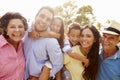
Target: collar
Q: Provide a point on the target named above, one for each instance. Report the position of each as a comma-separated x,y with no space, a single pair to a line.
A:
115,56
3,41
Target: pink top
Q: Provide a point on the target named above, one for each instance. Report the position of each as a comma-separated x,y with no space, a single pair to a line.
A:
12,62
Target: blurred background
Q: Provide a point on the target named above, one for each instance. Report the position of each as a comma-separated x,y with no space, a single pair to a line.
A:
96,12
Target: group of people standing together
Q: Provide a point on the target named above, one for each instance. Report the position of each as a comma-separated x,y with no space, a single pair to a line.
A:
44,52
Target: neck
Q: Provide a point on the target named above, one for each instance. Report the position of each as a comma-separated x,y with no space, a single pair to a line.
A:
15,44
84,51
108,53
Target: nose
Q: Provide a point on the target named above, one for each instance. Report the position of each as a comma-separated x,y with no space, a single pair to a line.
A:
75,39
17,29
44,20
84,38
104,39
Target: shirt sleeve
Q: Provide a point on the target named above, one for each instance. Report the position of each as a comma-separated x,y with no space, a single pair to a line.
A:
55,55
67,46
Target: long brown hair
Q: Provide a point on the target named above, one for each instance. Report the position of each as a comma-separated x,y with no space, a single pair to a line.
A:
91,71
61,32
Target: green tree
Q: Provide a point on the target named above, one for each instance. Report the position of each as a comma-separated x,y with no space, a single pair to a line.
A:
71,12
85,15
67,11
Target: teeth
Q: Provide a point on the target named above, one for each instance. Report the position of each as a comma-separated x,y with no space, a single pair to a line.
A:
106,44
16,35
84,42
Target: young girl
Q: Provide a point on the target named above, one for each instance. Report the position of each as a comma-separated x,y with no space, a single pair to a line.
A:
58,27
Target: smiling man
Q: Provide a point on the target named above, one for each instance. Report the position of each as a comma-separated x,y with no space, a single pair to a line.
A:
110,54
43,50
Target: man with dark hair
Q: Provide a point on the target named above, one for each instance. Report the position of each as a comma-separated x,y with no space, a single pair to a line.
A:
43,51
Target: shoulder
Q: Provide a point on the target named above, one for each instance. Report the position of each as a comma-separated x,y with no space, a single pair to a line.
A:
3,41
48,40
51,42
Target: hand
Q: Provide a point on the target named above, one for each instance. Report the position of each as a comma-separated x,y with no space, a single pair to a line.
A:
86,62
32,78
58,75
33,34
44,75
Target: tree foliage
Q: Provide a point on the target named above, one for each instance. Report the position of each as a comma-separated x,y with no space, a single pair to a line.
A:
67,11
71,12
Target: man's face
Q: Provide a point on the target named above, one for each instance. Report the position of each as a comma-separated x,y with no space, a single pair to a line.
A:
109,41
43,20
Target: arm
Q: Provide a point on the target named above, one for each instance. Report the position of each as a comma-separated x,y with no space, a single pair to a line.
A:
36,35
44,75
59,75
33,34
49,34
67,49
78,57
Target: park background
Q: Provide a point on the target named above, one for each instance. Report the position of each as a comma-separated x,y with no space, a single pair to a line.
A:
96,12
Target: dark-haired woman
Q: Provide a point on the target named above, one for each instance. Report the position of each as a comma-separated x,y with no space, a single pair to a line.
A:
12,61
89,47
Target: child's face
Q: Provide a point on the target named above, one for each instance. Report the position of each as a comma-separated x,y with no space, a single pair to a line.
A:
74,36
56,25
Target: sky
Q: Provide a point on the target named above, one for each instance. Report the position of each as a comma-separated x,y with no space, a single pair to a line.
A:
102,9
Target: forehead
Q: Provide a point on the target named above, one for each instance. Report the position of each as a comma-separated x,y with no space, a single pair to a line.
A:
15,21
57,20
75,31
46,12
87,31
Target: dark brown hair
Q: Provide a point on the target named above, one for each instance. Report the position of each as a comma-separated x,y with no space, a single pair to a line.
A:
61,39
91,71
76,26
5,19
